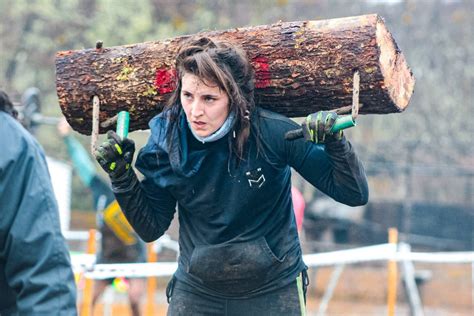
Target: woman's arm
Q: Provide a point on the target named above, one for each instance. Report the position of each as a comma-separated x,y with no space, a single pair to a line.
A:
148,208
333,168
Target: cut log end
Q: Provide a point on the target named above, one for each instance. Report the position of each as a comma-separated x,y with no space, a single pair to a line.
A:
398,77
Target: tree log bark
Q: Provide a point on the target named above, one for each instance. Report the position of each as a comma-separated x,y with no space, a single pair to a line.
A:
301,67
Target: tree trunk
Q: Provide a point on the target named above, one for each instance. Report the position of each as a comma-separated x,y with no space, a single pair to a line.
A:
301,67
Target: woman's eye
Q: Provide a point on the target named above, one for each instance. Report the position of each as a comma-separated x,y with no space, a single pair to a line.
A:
186,96
209,99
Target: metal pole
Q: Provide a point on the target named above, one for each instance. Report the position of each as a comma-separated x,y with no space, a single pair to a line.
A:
330,289
410,284
86,309
151,285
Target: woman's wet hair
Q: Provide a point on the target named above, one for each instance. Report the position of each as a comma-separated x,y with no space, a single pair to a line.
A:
228,67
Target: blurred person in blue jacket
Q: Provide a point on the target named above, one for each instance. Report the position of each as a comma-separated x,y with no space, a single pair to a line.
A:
35,269
119,243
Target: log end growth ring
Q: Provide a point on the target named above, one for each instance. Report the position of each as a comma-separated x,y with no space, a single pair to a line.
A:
398,77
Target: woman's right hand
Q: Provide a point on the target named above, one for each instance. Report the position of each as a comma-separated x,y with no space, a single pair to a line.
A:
115,155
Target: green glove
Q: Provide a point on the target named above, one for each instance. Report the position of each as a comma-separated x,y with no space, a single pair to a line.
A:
317,127
115,155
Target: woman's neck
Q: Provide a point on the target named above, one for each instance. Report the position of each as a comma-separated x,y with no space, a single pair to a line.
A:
221,132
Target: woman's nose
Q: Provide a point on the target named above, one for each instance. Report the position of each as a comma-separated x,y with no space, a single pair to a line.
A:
197,109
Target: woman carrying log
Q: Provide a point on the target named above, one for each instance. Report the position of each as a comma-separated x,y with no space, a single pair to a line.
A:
224,161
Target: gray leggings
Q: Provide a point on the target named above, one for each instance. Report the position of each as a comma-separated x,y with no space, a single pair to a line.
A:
289,300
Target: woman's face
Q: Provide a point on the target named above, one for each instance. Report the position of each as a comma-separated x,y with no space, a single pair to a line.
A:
205,104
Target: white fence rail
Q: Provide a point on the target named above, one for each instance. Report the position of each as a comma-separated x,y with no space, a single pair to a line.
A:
86,262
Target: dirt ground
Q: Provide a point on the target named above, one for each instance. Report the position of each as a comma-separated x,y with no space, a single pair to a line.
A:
361,290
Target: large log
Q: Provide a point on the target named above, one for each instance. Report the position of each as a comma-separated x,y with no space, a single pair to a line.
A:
301,67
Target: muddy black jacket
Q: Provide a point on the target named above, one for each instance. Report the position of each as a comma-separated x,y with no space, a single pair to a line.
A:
237,234
35,270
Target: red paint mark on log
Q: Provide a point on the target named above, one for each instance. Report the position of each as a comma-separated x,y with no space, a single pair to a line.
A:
165,80
262,72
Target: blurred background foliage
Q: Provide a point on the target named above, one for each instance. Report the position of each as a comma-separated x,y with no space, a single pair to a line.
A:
423,154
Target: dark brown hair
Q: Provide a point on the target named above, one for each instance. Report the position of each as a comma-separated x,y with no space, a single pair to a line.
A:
6,105
227,66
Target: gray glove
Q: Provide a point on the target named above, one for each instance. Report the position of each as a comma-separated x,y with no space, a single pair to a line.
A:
317,127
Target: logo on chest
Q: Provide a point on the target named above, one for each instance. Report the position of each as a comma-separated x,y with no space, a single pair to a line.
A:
256,178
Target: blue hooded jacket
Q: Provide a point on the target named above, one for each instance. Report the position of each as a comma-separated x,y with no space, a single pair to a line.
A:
35,270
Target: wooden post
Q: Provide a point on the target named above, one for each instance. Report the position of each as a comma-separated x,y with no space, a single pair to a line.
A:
86,308
151,284
392,275
95,123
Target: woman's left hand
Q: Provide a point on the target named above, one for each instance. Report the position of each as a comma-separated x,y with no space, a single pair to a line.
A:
317,127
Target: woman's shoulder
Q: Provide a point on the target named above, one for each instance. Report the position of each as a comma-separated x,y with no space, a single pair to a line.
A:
159,126
160,120
156,149
267,119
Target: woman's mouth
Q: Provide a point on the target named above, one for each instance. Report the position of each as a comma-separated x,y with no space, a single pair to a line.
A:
199,124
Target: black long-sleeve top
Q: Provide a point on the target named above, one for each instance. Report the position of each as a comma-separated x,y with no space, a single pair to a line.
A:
238,235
